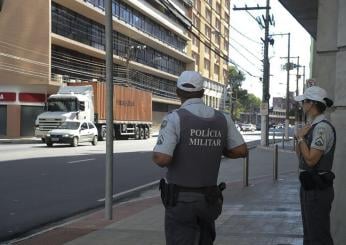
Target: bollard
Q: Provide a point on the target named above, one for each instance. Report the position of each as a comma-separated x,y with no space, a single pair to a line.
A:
246,171
283,141
275,163
274,136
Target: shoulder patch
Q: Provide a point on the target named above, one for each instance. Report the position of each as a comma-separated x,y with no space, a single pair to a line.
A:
163,124
319,141
160,140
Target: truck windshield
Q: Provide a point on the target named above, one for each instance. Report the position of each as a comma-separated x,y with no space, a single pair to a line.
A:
62,104
69,125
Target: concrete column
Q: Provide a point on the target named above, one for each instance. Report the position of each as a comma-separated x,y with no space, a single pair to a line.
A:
13,121
338,118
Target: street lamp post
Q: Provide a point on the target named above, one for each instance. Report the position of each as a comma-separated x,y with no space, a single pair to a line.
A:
288,78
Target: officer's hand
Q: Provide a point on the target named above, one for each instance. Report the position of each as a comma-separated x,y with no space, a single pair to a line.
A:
303,131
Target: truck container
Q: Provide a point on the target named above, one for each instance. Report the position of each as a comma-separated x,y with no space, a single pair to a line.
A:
132,109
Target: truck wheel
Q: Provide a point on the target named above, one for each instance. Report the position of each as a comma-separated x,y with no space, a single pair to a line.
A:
141,133
103,134
94,141
146,133
49,144
75,142
137,135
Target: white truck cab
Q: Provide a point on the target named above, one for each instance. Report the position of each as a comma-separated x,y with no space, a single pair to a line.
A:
72,103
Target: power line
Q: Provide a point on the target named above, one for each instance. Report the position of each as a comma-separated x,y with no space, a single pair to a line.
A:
250,39
238,43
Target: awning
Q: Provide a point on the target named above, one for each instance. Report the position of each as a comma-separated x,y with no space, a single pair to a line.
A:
305,12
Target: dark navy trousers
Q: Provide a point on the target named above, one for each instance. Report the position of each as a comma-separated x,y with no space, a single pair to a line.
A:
315,207
191,221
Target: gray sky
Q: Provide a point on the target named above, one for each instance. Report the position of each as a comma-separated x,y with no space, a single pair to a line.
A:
284,23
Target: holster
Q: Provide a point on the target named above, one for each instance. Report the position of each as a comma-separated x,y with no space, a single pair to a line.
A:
169,193
313,180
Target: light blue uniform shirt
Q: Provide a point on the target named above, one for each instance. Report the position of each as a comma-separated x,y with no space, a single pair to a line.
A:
323,136
170,127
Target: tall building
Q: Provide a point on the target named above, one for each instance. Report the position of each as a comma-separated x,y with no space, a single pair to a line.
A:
46,43
211,19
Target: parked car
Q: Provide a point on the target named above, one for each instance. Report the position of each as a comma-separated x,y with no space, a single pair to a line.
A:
248,127
237,127
73,132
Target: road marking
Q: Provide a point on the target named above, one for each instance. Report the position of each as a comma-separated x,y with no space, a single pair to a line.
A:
83,160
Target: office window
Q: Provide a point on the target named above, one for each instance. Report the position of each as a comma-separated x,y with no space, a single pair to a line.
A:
217,40
207,31
196,21
208,15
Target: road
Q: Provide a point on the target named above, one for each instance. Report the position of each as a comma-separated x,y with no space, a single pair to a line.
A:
40,185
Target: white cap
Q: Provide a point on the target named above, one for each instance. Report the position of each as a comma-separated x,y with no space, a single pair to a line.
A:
313,93
190,81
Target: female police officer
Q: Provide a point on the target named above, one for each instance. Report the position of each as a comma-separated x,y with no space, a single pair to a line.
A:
315,149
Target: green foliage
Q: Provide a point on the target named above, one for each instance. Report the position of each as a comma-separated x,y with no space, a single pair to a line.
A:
242,100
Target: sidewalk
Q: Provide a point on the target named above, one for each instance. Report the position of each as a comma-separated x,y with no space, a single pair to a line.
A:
266,213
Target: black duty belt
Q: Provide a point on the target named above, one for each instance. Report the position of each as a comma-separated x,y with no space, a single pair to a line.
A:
203,189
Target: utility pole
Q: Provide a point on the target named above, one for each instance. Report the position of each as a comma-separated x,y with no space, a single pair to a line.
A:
109,111
266,68
288,67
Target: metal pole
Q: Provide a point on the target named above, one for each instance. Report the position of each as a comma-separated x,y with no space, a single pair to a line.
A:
283,141
273,135
109,111
275,163
246,171
265,94
288,85
296,103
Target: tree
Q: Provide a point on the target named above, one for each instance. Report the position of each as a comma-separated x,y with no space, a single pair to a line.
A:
242,101
235,77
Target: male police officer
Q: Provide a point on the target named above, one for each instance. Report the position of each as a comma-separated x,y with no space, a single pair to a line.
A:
190,144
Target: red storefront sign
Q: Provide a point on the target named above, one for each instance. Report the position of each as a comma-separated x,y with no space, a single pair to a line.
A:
32,97
7,96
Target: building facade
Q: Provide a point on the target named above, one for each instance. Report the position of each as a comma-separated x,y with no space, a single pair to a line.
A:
210,48
53,42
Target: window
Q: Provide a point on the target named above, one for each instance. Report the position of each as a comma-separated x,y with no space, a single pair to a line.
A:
84,126
217,40
210,2
195,21
226,32
218,8
207,31
218,24
208,15
195,41
216,69
206,64
227,17
90,125
197,5
207,51
225,46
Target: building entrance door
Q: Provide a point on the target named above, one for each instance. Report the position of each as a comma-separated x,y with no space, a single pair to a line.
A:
28,116
3,120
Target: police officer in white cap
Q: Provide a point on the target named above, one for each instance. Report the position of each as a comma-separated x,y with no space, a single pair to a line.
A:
190,144
316,145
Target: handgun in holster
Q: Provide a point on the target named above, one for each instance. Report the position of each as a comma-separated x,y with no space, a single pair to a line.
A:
169,193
